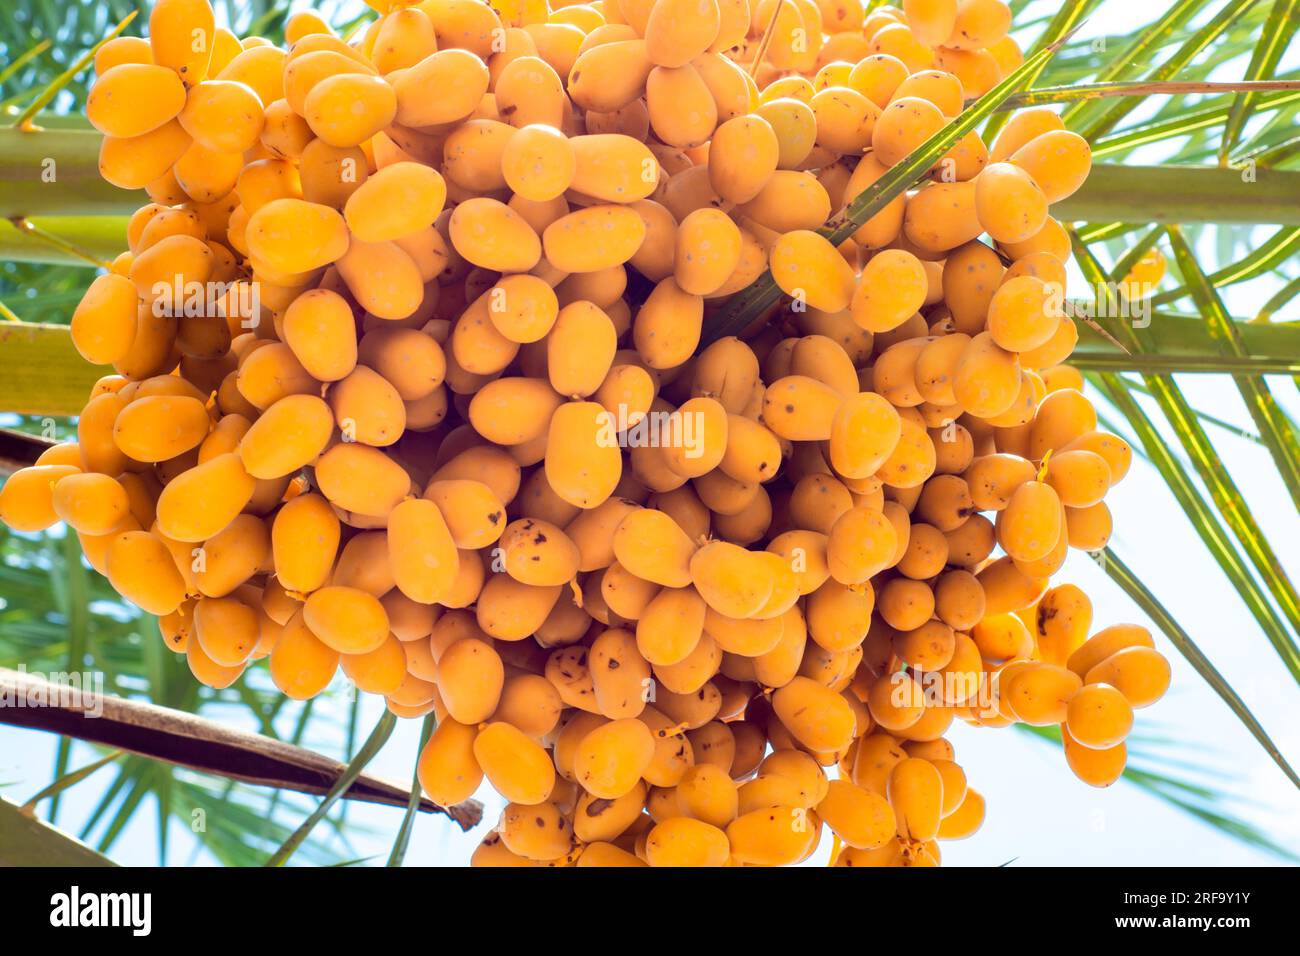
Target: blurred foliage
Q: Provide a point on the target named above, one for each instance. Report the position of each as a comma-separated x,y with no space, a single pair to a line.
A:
59,616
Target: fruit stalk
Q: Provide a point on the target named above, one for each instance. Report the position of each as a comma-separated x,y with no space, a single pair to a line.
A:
56,172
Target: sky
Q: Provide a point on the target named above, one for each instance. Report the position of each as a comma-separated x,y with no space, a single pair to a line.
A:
1038,813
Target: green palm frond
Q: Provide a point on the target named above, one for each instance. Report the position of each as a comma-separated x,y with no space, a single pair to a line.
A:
1142,596
1228,501
66,780
1283,19
1275,429
378,737
403,839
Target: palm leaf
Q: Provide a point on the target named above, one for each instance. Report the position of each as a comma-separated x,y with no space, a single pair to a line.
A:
28,841
1093,232
1063,23
1141,46
378,737
1202,517
1153,769
1278,154
1274,428
1184,123
235,828
403,839
1101,91
1197,42
1278,299
64,781
1223,490
1132,584
1264,258
1234,430
1281,26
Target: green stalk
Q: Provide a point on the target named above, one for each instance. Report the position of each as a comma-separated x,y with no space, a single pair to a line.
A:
403,839
1185,122
75,240
1183,194
1184,338
374,743
1122,575
1166,364
1274,427
47,172
1099,91
44,373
